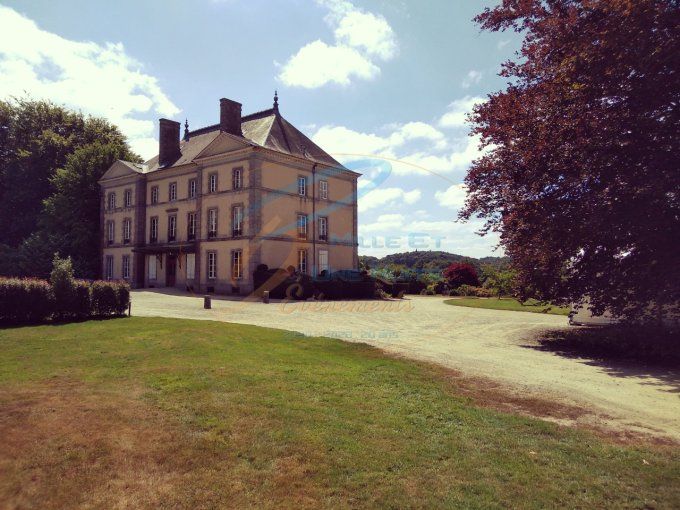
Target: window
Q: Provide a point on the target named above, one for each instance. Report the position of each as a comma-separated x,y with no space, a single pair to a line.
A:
172,227
302,261
302,186
126,267
302,226
212,222
323,261
172,192
237,178
191,266
109,267
191,226
152,267
212,265
212,183
323,228
237,220
153,230
192,188
127,230
110,232
154,195
112,201
323,190
127,197
237,264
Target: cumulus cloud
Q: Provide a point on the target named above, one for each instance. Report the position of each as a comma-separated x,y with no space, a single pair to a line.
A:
471,78
453,197
102,80
360,39
456,116
385,197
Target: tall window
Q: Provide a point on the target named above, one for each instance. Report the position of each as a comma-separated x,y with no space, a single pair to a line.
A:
126,267
172,227
237,178
110,232
302,261
212,265
302,186
191,226
154,195
127,230
191,266
212,222
172,191
192,188
237,220
112,201
323,261
302,226
323,190
108,270
323,228
153,230
127,197
212,183
152,267
237,264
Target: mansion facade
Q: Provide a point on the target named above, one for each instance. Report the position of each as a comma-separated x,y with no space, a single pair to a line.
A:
224,199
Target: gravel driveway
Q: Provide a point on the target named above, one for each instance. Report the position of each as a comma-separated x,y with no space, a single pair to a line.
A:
481,343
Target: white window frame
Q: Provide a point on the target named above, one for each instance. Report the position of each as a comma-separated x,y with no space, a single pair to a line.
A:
323,228
172,227
154,194
191,225
302,261
302,185
126,267
112,201
127,198
111,231
237,178
212,222
191,266
237,264
237,220
323,190
153,229
109,267
302,226
212,183
153,267
212,265
127,230
323,266
192,188
172,192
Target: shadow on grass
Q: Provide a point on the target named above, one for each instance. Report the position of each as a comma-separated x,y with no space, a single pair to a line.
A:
644,352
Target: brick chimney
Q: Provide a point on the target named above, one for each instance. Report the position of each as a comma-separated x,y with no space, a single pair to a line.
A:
230,117
168,142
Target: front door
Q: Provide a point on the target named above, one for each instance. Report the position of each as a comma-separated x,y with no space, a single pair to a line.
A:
170,270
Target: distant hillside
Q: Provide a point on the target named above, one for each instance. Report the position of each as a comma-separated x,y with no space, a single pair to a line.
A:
431,261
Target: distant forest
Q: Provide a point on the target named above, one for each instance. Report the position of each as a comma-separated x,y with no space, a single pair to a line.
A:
429,261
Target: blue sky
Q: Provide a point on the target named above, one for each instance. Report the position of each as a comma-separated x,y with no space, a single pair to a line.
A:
382,85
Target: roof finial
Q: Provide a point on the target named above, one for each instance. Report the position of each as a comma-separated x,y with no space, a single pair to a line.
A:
276,101
186,129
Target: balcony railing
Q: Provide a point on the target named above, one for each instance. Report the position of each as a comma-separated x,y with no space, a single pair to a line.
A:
212,234
323,237
171,237
191,236
153,240
237,232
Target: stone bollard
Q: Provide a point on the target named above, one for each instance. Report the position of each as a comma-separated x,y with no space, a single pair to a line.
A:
207,302
265,296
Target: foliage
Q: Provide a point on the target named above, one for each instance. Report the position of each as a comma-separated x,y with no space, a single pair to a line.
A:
426,261
63,286
37,138
580,176
510,304
460,273
26,300
471,290
500,281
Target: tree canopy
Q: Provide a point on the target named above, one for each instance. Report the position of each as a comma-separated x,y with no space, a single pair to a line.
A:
580,175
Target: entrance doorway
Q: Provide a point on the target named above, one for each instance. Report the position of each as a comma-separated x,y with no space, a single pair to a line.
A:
170,270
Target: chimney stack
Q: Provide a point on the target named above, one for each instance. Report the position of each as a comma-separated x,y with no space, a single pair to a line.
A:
230,117
168,142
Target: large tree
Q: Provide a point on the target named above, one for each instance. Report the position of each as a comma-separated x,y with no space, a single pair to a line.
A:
582,170
50,161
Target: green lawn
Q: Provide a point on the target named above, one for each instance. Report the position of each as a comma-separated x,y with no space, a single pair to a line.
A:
508,304
163,413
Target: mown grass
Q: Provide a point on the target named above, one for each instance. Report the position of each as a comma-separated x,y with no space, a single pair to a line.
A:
510,304
164,413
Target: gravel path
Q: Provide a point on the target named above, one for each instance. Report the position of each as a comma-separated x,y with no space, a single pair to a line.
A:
482,343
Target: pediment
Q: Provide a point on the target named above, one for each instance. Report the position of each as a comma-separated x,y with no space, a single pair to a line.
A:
118,169
223,144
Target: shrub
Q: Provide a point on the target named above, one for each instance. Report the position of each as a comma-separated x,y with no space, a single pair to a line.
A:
82,303
63,287
104,298
469,290
460,273
25,300
122,297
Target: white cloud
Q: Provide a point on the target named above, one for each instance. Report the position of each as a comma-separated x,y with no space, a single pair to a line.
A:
102,80
458,110
385,222
472,78
453,197
503,43
360,38
386,197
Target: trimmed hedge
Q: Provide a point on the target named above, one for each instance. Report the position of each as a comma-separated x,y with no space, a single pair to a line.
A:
31,300
470,290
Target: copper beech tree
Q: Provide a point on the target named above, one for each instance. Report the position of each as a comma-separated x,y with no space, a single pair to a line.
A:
581,170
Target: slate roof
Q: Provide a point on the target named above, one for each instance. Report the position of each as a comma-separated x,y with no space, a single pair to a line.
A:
264,129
